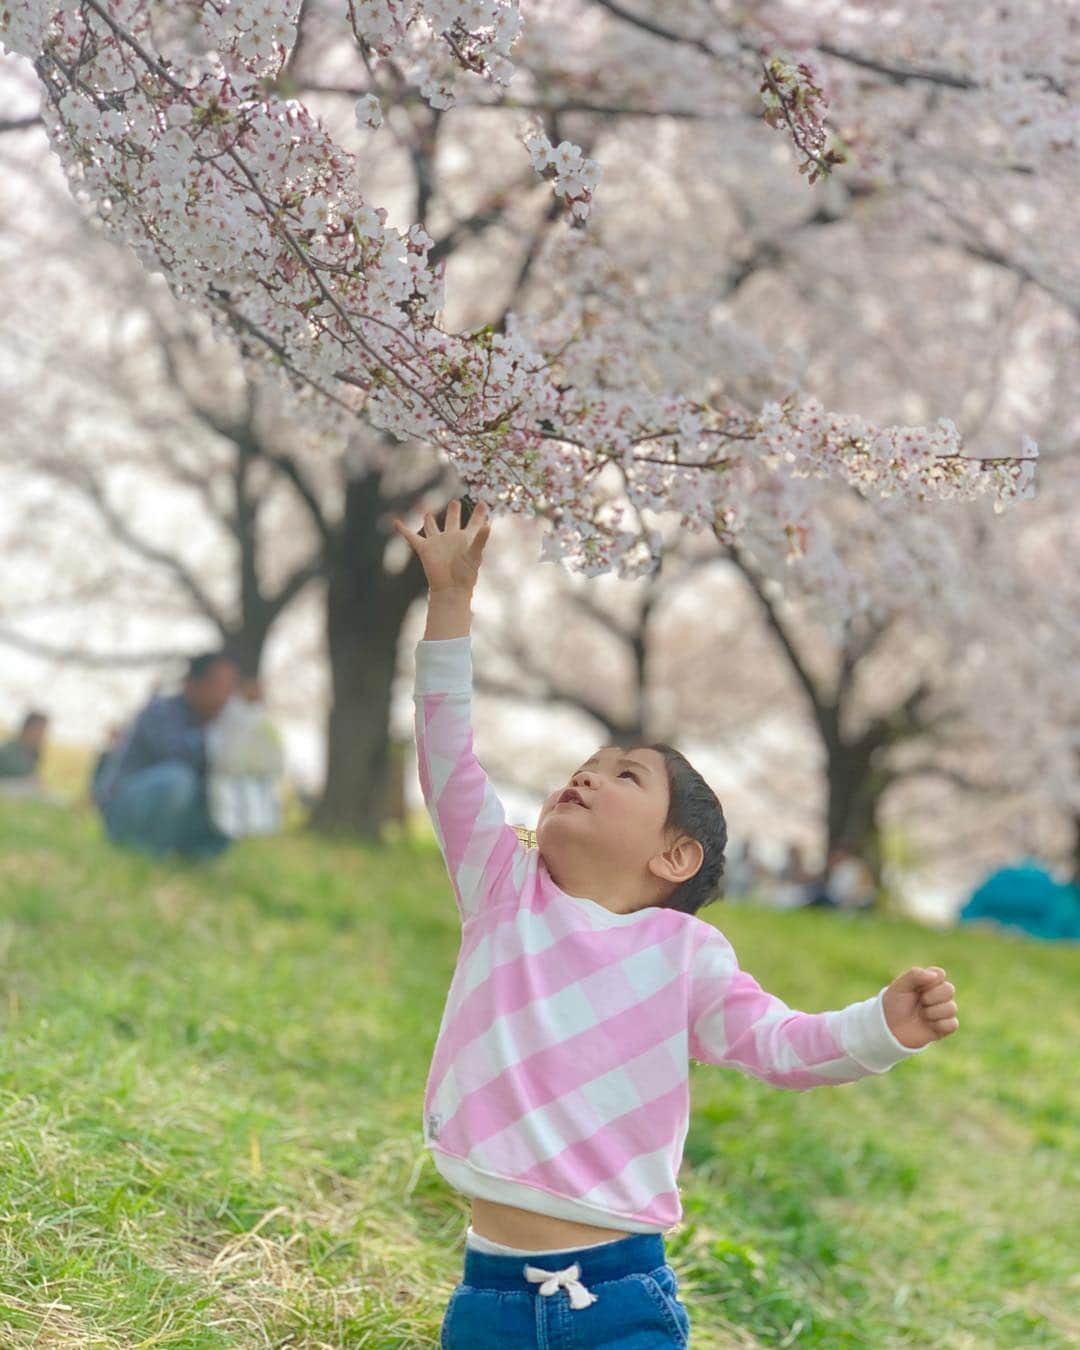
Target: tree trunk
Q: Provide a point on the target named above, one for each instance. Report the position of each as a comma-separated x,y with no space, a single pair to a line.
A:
246,643
363,660
365,608
855,789
1076,852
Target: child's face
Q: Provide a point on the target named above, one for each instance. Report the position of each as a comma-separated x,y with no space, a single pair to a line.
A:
618,821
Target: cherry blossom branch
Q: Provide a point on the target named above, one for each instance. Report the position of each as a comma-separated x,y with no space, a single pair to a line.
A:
655,29
791,95
900,74
254,213
511,103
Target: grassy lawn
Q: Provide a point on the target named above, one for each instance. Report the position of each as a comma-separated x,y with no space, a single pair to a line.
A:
210,1093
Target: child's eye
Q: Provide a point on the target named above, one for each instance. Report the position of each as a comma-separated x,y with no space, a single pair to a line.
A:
632,774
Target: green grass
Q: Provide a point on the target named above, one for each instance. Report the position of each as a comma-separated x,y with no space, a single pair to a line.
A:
210,1092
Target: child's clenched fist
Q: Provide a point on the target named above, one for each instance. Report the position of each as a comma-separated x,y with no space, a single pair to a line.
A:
920,1007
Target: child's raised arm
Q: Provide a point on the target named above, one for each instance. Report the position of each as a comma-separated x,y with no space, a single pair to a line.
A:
478,845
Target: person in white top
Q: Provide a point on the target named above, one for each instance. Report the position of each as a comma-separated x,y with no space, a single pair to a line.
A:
245,763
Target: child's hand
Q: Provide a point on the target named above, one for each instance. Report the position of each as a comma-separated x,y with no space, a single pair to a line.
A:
451,556
919,1007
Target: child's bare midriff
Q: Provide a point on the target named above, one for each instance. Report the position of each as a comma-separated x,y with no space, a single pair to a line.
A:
522,1228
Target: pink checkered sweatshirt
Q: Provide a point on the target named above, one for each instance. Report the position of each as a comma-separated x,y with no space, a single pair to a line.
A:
559,1081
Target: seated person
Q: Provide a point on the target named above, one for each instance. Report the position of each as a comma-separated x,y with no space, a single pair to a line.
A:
245,765
152,795
847,884
20,757
794,884
105,757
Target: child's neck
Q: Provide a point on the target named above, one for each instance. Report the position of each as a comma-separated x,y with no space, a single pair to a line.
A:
619,894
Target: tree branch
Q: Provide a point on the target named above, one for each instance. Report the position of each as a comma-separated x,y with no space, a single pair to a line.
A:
228,430
824,715
510,104
532,252
901,74
295,583
422,152
954,776
486,684
159,556
986,253
470,227
553,689
898,74
584,602
855,650
899,724
82,657
292,472
407,498
654,29
20,123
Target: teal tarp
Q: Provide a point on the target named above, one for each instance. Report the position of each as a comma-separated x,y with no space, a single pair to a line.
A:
1027,897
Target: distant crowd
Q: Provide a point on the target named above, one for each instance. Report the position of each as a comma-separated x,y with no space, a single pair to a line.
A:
1024,896
189,774
845,882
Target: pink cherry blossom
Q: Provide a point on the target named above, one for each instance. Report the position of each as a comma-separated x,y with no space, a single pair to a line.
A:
170,124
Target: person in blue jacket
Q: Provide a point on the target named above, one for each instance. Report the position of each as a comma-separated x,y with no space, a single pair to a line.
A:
152,795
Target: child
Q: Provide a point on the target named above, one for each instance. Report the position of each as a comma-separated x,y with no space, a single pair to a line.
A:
557,1098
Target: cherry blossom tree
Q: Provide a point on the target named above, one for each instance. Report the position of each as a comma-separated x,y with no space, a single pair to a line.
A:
677,656
180,131
180,489
945,716
1027,661
267,505
632,363
124,409
929,685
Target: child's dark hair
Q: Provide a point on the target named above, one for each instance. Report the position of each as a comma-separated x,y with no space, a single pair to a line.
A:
695,810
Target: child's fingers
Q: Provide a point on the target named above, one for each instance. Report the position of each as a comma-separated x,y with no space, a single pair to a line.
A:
940,993
413,539
453,515
431,525
479,518
476,548
917,979
940,1012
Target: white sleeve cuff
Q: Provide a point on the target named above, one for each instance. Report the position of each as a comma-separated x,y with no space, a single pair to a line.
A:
444,666
868,1039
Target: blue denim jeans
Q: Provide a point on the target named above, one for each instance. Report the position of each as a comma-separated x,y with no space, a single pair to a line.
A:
495,1307
163,810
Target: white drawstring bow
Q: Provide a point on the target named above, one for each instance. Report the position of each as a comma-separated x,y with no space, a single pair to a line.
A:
569,1279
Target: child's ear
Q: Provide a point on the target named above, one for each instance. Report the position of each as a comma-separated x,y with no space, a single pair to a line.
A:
678,863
